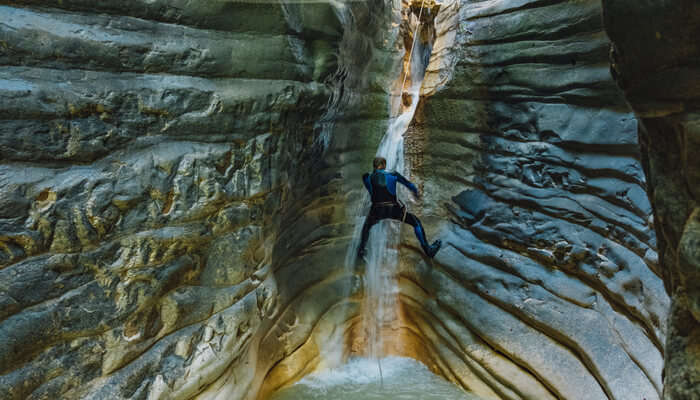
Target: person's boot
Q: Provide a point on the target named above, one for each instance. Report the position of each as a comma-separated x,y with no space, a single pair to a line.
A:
430,250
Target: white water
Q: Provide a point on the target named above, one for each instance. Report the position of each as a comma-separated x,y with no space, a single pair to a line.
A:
381,289
374,377
403,378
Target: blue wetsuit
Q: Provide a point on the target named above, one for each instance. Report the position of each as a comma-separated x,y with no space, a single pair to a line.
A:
381,186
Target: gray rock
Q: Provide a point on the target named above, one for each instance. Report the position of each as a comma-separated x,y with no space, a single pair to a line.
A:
656,66
179,181
530,171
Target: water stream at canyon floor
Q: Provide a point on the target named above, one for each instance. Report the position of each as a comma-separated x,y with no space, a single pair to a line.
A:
359,379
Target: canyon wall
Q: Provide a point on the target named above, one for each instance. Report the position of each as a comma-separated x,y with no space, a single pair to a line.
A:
180,184
655,61
170,199
548,283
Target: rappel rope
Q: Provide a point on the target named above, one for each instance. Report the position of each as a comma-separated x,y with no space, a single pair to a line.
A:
405,209
405,75
381,376
413,45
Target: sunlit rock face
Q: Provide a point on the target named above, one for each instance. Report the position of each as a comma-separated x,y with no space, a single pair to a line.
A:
167,184
548,284
656,64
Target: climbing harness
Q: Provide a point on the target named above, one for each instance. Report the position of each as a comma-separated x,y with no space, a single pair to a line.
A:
391,204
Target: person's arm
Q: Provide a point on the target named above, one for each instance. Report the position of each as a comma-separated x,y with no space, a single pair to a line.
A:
368,184
406,183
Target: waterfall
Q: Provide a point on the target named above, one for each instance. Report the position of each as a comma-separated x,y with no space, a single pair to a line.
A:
380,280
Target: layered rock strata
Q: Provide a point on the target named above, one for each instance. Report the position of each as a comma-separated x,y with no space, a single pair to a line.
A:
548,285
179,184
655,61
170,198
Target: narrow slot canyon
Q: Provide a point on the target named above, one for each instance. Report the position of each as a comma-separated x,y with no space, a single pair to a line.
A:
182,200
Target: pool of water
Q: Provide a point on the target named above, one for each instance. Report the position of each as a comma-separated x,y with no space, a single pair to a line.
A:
359,379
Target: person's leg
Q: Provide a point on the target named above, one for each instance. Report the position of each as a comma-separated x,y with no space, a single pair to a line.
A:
411,219
369,222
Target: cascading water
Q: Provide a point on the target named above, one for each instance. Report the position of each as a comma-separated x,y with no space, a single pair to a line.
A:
379,309
400,378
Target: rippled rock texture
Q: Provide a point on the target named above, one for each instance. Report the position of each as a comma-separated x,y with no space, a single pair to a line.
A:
179,182
548,284
655,60
169,194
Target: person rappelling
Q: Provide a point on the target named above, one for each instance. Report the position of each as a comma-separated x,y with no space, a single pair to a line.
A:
381,186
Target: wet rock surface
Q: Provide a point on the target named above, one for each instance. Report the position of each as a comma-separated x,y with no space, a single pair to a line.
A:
179,182
657,67
167,184
548,283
